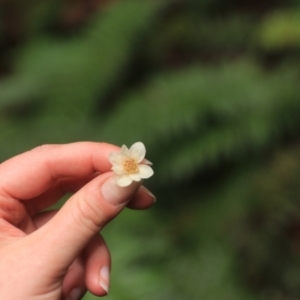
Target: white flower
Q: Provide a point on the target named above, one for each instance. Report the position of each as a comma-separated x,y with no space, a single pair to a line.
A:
130,164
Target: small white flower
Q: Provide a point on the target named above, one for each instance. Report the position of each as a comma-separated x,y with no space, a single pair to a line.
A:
130,164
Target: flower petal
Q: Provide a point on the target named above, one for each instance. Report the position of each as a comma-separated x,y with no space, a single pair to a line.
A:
118,169
135,177
146,162
145,171
115,158
137,151
124,151
123,180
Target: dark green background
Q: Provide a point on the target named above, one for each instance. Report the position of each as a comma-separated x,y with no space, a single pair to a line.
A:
212,89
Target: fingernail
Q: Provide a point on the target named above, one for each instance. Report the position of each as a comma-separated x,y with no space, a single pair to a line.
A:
104,279
145,190
115,194
75,294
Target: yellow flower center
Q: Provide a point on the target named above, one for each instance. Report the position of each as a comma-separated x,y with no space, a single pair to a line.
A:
130,166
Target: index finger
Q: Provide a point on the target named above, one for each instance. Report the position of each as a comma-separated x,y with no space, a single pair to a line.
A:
31,173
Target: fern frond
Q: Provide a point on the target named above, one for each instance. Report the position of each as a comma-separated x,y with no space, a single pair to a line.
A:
222,112
75,72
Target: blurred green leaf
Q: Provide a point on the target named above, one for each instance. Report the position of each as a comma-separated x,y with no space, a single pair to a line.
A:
281,31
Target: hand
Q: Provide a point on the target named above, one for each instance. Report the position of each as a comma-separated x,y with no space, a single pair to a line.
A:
58,255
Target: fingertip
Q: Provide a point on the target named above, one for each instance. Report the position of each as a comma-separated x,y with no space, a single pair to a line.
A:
97,268
115,194
104,278
143,199
74,281
151,197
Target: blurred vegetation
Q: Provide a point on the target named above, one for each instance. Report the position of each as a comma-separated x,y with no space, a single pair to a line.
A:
212,89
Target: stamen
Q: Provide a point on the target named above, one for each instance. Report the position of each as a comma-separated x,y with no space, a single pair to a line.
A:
130,166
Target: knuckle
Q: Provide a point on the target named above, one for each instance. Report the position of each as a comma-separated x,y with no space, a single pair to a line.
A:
89,215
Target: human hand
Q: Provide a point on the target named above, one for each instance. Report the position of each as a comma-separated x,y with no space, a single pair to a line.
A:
59,255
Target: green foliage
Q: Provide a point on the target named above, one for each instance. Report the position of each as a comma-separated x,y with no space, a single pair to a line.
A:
66,77
281,31
267,237
208,113
198,83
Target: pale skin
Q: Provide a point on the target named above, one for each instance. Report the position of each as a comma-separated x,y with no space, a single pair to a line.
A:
59,255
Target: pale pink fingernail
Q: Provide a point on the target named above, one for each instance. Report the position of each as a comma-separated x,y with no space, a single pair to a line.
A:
149,193
115,194
104,278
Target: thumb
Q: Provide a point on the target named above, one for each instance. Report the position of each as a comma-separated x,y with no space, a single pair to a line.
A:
83,215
